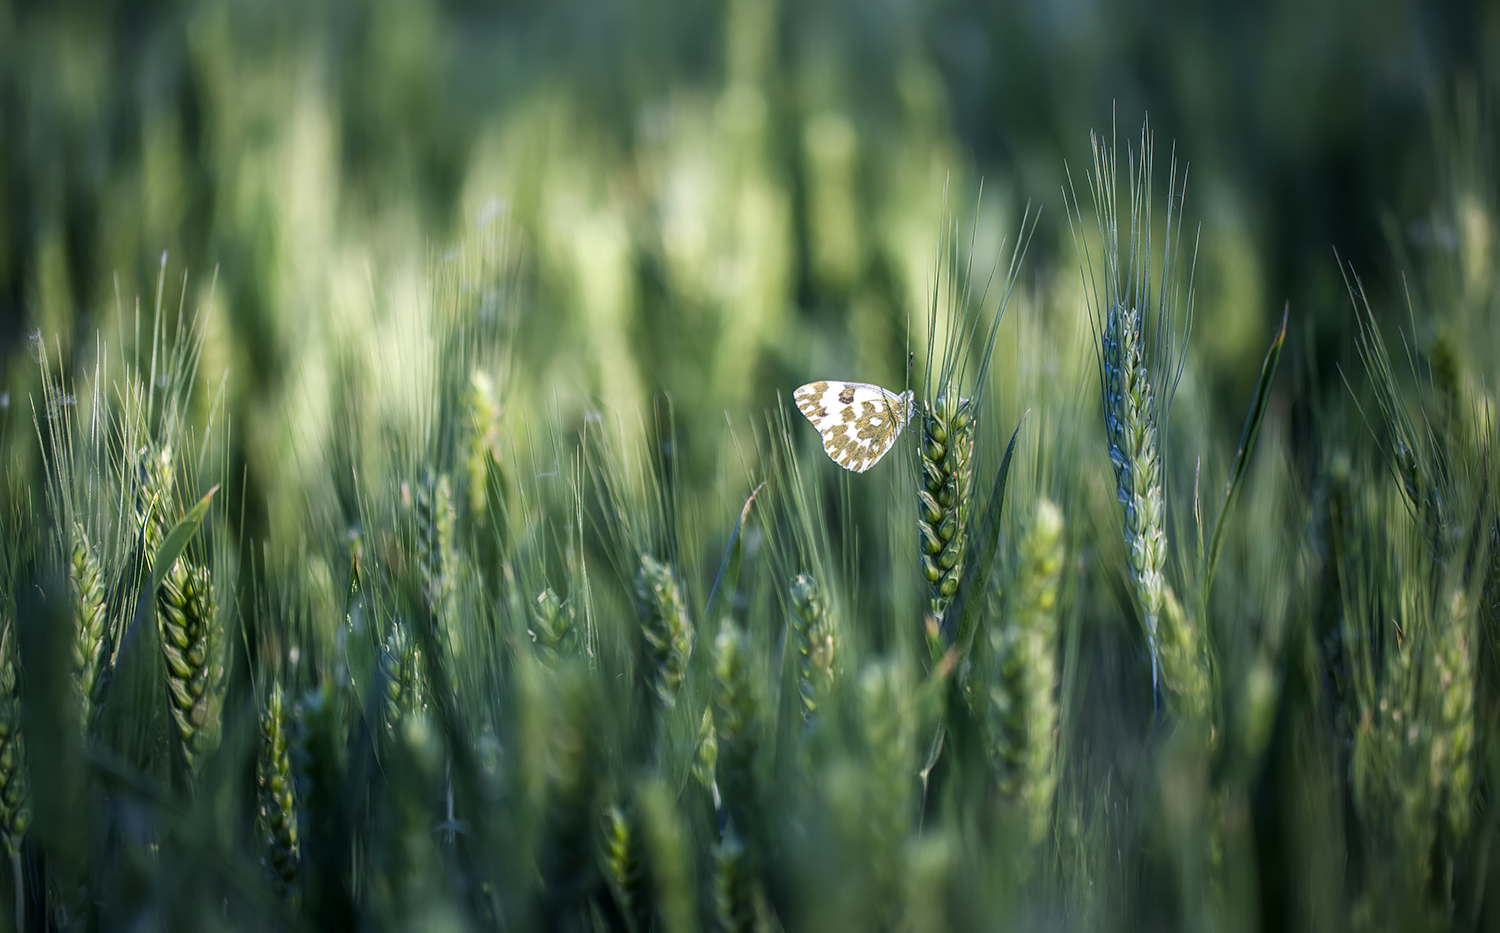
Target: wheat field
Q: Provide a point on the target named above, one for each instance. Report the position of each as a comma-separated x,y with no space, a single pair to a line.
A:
407,521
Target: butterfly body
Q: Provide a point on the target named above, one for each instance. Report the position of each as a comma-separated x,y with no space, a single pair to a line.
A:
859,422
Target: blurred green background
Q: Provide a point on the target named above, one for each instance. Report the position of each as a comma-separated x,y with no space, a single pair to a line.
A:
699,206
765,177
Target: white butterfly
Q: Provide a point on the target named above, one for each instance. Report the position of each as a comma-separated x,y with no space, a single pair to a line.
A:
859,422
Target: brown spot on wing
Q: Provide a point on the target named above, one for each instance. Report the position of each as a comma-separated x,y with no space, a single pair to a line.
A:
846,397
809,400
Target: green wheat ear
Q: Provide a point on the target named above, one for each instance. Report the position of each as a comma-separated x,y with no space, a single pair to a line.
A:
436,523
740,903
670,857
624,856
553,627
1020,713
706,752
738,725
1453,705
193,649
666,633
1130,426
15,794
86,584
888,724
401,661
943,506
276,796
816,647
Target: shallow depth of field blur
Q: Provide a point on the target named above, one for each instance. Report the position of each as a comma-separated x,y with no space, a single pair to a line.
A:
523,597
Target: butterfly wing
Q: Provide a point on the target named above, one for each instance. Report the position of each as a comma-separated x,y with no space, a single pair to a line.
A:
859,422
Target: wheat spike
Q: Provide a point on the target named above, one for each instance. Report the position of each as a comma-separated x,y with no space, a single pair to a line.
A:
86,583
667,635
1130,424
436,523
276,795
625,863
192,647
737,724
816,647
1022,713
15,793
1452,681
740,904
553,626
943,505
404,693
889,731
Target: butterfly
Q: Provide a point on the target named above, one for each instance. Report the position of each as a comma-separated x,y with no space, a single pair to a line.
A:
859,422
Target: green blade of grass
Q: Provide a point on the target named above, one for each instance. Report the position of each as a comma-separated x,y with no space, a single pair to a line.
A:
1253,420
970,596
729,568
